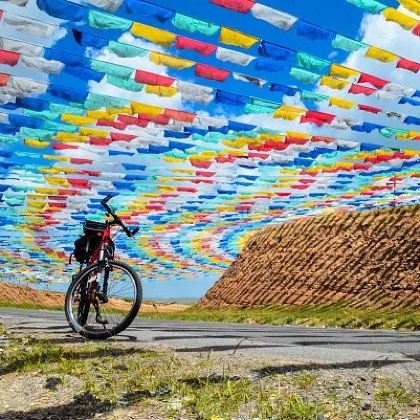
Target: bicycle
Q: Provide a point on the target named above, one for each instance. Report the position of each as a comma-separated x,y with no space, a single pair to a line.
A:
94,305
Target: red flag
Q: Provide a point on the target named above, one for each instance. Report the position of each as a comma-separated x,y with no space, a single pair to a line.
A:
408,65
318,118
212,73
356,89
99,141
79,161
122,137
369,109
242,6
153,79
374,81
191,44
179,115
4,78
10,58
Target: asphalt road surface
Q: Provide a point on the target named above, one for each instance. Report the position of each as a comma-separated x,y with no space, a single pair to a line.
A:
326,346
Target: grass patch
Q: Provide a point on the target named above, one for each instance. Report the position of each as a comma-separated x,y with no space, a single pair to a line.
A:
393,395
324,315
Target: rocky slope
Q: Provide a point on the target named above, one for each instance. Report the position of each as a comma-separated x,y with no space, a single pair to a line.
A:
364,258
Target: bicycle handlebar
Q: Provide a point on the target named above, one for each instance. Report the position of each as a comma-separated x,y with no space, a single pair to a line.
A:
117,220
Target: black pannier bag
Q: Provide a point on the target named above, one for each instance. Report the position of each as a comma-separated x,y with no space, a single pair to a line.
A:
85,246
93,228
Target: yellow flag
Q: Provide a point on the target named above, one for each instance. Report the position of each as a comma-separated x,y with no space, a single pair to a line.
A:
37,144
36,204
56,157
199,157
88,131
121,110
231,143
343,72
138,108
408,135
66,169
166,188
403,20
48,170
297,135
380,55
344,165
412,5
238,143
161,90
287,112
100,115
239,39
183,171
52,180
158,36
170,61
45,190
70,137
333,83
278,138
172,159
77,119
341,103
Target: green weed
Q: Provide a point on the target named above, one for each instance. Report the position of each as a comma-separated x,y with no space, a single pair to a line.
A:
326,315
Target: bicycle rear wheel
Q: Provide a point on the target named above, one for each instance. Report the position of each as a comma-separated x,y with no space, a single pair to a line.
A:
100,303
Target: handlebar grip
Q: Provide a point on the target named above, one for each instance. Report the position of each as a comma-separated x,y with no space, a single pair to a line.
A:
107,198
105,205
134,231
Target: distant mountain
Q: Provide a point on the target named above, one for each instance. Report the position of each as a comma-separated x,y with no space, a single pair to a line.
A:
366,258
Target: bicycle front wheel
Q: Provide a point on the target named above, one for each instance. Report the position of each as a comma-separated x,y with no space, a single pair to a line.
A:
102,302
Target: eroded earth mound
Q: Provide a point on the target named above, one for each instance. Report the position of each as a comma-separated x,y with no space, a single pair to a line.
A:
366,258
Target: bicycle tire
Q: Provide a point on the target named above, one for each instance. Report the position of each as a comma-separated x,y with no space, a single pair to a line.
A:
83,312
102,335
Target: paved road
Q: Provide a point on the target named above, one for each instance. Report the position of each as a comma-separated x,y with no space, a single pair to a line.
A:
334,347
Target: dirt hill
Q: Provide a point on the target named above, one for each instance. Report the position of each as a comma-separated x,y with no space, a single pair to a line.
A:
24,296
366,258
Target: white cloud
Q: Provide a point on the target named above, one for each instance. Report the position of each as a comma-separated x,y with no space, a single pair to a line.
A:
332,54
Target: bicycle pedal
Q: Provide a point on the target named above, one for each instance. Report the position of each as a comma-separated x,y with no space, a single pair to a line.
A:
100,320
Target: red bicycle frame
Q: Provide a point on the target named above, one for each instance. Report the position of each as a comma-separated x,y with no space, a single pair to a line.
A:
105,241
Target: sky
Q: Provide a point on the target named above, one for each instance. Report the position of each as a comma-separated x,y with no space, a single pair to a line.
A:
336,15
